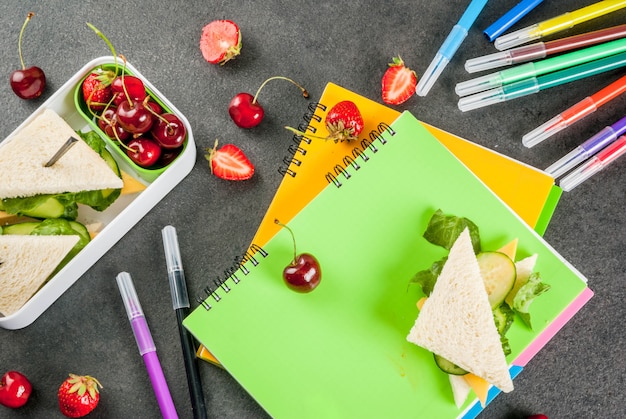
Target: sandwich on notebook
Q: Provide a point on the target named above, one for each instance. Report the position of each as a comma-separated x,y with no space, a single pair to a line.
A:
25,175
443,328
342,350
26,262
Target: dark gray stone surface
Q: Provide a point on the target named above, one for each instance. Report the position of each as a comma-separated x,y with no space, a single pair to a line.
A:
580,373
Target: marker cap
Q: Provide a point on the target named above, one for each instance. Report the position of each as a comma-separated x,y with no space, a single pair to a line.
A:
518,37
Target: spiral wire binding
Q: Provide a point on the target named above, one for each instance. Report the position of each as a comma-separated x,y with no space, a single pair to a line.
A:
351,161
299,140
238,267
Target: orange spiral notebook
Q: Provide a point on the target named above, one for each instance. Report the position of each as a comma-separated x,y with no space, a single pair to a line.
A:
313,163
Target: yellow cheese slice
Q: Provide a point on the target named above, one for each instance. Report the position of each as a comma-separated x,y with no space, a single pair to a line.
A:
479,385
509,249
131,185
420,302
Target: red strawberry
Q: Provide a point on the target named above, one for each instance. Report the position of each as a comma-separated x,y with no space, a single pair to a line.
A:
78,395
220,41
344,121
399,83
229,162
97,90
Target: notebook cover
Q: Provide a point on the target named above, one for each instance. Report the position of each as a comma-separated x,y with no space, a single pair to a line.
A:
529,191
341,350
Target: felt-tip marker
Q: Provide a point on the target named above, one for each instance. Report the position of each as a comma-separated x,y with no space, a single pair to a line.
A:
594,165
575,113
593,145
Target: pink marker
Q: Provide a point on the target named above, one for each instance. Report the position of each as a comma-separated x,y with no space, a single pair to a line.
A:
594,164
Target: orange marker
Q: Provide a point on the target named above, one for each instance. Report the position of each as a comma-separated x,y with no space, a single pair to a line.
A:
575,113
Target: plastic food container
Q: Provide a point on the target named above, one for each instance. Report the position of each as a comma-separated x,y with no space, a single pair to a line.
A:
123,214
108,63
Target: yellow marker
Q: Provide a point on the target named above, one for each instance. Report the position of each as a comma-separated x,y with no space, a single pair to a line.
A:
557,24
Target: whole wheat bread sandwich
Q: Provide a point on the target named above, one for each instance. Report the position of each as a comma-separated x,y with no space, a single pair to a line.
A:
456,321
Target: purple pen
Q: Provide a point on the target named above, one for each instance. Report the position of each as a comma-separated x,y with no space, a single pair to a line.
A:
587,149
147,349
594,164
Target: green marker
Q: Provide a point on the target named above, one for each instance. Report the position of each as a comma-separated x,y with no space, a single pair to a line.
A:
538,68
536,84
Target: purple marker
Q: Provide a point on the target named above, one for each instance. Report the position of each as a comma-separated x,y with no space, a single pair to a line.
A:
587,149
147,349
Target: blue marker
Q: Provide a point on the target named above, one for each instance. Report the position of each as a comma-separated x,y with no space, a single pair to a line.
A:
510,18
449,47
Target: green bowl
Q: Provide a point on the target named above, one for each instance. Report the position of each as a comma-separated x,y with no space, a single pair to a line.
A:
147,173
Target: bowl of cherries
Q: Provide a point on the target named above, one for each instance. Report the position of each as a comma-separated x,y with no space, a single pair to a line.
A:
141,125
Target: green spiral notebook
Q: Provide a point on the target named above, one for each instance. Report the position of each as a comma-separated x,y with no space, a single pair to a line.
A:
341,351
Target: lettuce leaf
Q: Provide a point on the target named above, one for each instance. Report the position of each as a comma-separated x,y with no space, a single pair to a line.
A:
443,230
428,277
527,294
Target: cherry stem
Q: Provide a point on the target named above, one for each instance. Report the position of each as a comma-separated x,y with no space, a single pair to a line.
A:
130,102
19,41
302,89
293,238
104,38
162,118
304,134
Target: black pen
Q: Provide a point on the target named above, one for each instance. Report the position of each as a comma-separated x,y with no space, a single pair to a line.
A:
180,299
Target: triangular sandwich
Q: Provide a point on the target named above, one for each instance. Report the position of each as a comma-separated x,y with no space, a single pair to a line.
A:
26,262
456,322
24,155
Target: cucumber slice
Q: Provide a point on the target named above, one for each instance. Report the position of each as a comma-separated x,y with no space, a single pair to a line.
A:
23,229
498,272
108,157
81,230
53,208
448,367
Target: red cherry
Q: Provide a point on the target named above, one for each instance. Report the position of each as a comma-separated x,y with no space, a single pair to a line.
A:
15,389
168,156
247,112
537,416
108,123
143,151
27,83
133,85
155,107
134,117
303,274
169,131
